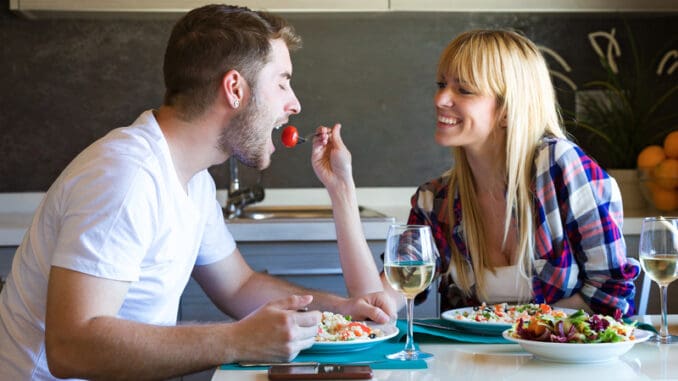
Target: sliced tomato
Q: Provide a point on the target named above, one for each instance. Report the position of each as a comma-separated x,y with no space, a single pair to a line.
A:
361,326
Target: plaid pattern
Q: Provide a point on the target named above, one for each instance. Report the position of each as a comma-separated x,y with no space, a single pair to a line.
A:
579,246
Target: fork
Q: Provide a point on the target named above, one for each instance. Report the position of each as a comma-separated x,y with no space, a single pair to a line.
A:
247,364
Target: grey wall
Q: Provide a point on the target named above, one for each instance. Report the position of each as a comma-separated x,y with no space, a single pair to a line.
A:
66,82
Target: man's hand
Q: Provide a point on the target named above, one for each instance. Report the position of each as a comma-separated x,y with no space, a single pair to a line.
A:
277,331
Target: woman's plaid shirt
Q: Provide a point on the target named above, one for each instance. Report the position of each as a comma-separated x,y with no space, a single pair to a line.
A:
579,246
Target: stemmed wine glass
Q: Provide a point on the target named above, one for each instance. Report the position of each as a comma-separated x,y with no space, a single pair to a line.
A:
658,255
409,265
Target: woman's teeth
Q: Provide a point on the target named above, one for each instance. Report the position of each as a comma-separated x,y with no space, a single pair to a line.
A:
446,120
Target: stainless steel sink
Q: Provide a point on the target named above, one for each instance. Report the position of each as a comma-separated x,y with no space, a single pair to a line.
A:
294,212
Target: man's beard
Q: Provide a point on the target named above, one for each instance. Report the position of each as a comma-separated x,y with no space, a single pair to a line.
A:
245,136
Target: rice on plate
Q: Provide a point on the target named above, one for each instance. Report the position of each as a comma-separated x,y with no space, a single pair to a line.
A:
337,327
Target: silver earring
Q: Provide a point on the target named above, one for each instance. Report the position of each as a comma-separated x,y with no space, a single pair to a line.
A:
236,103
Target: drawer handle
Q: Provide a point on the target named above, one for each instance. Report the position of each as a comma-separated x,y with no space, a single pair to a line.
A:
320,271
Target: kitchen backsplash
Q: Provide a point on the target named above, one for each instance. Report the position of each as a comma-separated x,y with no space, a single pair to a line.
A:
64,82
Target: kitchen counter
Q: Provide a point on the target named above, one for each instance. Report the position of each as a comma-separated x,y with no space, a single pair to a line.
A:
16,211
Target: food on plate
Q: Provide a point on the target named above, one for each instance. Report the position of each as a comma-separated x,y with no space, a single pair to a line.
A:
578,327
504,312
337,327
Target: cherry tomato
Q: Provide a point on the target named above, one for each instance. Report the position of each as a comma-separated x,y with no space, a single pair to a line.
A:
290,136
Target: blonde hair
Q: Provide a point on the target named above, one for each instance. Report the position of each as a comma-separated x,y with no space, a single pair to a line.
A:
509,67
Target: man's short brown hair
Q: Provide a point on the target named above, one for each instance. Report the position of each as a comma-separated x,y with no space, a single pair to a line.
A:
209,41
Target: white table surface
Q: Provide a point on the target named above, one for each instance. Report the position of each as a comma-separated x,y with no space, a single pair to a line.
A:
488,362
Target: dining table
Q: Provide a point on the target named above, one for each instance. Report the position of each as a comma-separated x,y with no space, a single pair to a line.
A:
478,360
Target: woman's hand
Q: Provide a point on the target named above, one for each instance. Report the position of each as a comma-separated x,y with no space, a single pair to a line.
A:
330,158
375,306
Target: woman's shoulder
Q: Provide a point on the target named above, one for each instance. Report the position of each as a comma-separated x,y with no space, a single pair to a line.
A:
560,152
557,146
435,185
563,160
430,194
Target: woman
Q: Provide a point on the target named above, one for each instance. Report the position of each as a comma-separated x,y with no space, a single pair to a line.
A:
523,215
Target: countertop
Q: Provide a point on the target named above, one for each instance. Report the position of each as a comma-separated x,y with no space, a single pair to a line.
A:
16,211
453,360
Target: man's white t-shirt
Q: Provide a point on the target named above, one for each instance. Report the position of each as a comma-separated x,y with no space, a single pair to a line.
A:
118,211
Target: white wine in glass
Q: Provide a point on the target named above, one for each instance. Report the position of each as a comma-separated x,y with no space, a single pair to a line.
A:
658,253
409,266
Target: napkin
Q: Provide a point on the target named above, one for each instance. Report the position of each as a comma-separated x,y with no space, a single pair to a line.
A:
440,335
373,356
641,325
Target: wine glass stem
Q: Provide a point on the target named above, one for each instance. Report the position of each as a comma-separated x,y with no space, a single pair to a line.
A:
664,329
409,344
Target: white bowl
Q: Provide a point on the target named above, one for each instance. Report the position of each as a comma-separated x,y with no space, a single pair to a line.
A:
578,352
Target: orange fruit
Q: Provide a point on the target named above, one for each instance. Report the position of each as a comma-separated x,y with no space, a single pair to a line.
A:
671,145
664,200
650,156
666,173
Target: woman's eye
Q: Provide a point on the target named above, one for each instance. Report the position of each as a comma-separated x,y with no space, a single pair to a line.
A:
464,91
441,85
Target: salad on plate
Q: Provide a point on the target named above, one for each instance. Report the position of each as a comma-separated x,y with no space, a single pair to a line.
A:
577,337
578,327
337,328
502,312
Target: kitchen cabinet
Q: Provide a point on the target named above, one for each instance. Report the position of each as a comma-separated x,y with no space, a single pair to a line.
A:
30,7
312,264
6,256
532,5
33,8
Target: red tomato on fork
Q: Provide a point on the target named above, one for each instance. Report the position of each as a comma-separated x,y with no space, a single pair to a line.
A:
290,136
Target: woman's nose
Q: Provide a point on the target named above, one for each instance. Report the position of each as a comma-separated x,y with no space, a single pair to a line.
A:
443,98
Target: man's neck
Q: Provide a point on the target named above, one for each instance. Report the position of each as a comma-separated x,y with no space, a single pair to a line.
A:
191,145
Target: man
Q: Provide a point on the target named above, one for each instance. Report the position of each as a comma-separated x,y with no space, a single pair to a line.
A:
95,284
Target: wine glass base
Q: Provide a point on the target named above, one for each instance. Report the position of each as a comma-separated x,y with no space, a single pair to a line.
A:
670,339
410,355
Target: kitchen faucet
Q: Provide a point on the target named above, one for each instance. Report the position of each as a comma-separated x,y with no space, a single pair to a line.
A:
239,198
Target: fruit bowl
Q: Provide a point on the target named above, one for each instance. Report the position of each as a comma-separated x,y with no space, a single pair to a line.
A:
659,190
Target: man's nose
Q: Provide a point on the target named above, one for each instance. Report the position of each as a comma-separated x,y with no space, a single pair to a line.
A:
294,107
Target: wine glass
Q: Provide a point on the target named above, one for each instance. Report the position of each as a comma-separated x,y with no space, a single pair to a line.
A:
409,265
658,253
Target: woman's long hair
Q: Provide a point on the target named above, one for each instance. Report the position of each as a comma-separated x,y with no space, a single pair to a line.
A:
508,66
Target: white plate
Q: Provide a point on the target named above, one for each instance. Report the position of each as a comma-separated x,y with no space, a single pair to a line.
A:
482,327
576,352
355,345
486,328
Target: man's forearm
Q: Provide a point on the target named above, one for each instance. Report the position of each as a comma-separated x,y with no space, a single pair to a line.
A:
111,348
262,288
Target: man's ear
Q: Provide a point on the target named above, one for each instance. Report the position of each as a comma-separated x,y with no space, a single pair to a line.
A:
233,85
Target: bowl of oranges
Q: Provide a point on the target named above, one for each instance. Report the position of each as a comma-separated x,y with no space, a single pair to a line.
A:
658,173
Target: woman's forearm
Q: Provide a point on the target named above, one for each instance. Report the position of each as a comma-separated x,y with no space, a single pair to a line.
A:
358,265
